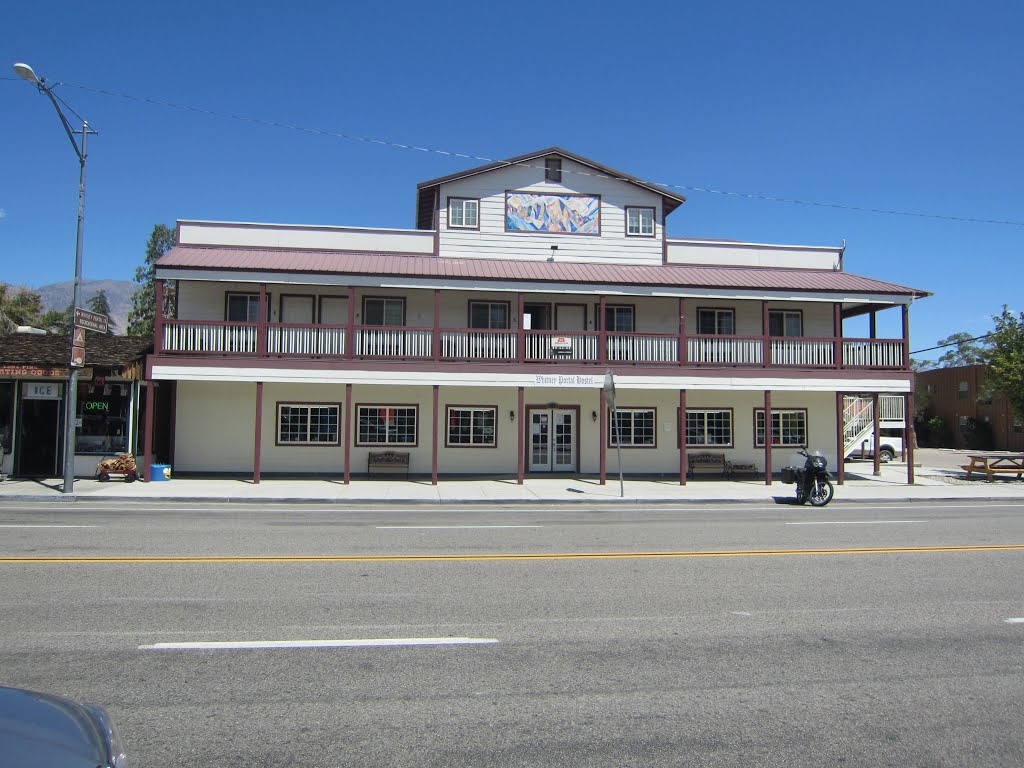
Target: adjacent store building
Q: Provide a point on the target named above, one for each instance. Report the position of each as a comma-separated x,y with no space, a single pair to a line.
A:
33,387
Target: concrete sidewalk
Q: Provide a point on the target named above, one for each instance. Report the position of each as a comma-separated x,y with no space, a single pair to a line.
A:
932,483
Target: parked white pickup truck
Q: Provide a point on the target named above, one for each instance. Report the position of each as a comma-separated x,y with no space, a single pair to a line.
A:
892,446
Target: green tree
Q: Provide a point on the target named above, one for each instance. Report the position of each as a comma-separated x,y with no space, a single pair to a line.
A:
18,306
965,350
99,304
142,315
1006,359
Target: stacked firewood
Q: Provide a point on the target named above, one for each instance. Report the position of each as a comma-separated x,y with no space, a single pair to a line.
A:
123,462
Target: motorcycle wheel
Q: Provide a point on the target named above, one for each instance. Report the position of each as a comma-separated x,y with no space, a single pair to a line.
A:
821,493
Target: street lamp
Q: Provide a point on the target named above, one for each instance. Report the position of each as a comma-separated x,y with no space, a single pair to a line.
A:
71,397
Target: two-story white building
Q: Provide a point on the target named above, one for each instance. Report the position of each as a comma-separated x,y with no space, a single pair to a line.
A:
479,342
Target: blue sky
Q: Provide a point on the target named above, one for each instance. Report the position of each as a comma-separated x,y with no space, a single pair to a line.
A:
911,106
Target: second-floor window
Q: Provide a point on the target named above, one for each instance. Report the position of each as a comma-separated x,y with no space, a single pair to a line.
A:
962,391
619,318
463,213
488,314
383,311
785,322
716,322
242,308
640,222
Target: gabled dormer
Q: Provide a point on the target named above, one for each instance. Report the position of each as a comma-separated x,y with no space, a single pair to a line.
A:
550,205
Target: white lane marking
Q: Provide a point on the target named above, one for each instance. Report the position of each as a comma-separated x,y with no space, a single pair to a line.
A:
857,522
446,527
366,643
4,525
740,613
1014,621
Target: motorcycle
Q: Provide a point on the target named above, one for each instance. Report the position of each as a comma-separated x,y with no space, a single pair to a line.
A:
813,482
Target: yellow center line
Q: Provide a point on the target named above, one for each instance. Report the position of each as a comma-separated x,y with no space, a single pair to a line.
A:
510,556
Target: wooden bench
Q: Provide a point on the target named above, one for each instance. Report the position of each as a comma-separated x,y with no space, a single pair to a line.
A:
388,460
707,462
743,469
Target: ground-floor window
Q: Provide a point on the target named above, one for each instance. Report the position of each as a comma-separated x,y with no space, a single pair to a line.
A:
636,427
6,415
386,425
307,424
789,427
709,427
103,411
471,426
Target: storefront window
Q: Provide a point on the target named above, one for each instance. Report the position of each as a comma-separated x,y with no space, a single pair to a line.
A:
103,409
6,415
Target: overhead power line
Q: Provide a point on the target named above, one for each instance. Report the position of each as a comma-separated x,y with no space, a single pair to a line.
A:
953,343
484,159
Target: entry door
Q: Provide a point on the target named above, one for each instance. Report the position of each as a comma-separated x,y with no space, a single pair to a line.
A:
38,443
552,440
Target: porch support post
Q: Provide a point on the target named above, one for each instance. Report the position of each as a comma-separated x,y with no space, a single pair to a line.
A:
681,427
876,434
837,335
521,333
521,469
906,337
909,438
682,354
433,431
261,328
148,458
873,324
435,340
767,437
602,340
350,331
158,318
602,442
347,474
840,439
766,342
258,429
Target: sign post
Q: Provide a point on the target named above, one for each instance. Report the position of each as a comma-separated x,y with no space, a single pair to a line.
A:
609,396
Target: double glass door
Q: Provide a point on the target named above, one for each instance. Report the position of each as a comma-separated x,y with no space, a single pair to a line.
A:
552,440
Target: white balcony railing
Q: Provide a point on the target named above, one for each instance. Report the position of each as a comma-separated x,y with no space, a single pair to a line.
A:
227,338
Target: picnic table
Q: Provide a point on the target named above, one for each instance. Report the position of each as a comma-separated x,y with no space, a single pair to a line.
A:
995,464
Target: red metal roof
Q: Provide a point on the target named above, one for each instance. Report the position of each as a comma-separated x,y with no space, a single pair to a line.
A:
674,275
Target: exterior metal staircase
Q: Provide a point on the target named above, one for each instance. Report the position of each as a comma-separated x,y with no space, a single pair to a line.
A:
859,418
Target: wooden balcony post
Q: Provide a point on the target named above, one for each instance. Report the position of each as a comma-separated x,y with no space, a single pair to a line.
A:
433,438
873,324
840,438
767,437
258,429
261,327
602,340
681,427
435,341
520,416
350,330
158,318
682,335
837,335
909,438
906,336
520,330
766,341
348,434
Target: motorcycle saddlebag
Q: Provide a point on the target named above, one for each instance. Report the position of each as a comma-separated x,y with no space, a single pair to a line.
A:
789,475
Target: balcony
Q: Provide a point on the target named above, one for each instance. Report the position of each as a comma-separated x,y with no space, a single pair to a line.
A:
341,342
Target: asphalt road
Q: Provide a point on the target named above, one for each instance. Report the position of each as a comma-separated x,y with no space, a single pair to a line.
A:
716,636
